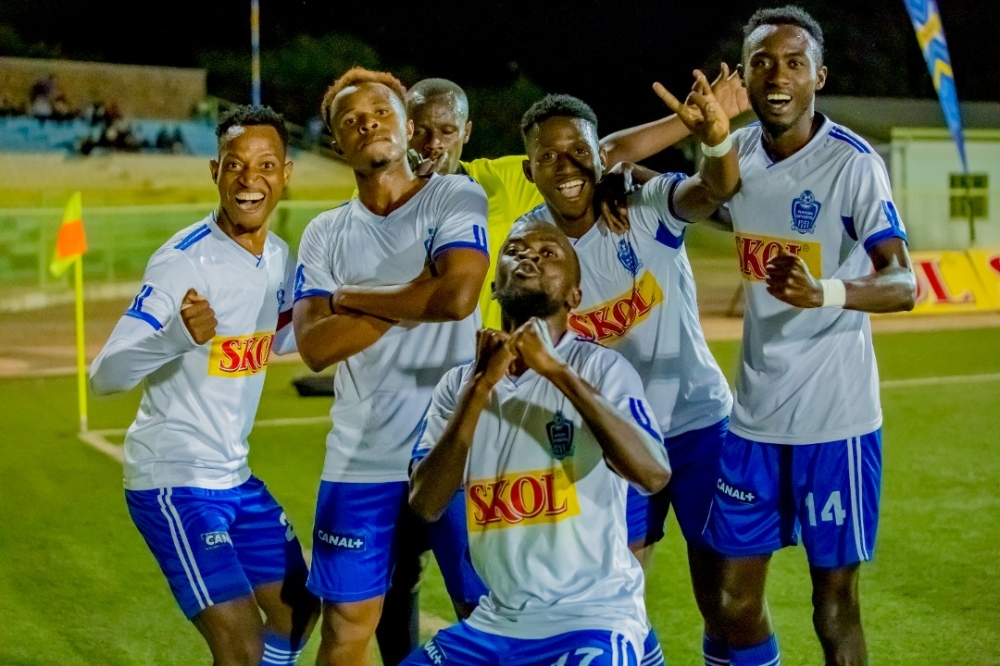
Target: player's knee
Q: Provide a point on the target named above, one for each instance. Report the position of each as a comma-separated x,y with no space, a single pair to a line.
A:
241,649
836,604
351,622
736,607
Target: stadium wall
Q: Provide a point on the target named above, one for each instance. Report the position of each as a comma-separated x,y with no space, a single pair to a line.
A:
140,91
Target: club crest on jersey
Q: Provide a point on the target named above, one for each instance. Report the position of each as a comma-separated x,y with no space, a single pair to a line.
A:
560,432
628,257
805,211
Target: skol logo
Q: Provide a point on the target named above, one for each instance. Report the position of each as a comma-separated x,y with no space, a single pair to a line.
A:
240,356
755,251
609,321
523,498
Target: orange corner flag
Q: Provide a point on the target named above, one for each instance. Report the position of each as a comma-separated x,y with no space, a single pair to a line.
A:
72,241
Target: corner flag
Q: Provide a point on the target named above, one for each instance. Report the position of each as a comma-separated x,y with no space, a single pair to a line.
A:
930,34
72,241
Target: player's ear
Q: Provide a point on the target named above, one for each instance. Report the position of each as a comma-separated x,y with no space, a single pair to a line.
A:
526,167
336,147
213,166
409,130
288,171
820,77
468,131
602,155
574,298
493,290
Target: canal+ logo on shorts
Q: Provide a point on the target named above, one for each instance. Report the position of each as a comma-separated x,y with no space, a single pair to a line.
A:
240,356
520,498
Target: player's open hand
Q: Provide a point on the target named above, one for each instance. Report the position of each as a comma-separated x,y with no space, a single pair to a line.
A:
198,317
788,280
533,346
493,358
730,92
701,112
611,197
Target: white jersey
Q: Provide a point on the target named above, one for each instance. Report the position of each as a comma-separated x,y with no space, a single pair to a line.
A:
639,298
382,392
198,402
546,515
808,375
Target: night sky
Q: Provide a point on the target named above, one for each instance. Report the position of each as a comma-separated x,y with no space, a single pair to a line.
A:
607,52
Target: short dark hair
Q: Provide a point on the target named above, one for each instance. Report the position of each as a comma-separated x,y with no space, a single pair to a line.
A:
787,15
246,115
423,91
355,76
551,106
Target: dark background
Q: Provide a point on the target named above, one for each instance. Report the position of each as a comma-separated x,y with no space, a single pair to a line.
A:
506,53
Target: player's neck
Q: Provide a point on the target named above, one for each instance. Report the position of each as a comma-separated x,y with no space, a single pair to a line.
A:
251,240
575,228
384,189
782,145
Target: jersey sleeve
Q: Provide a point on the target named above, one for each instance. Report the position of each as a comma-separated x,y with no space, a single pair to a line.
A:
284,335
151,332
314,271
618,382
461,218
441,410
654,210
872,216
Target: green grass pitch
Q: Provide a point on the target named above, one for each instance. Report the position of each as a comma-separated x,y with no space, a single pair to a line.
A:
78,587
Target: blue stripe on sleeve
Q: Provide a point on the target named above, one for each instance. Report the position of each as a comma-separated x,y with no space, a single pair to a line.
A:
146,317
849,226
885,234
461,244
193,237
670,202
299,295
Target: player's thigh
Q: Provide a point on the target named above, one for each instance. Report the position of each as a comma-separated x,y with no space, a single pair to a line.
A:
265,542
187,530
837,493
460,645
449,540
354,539
576,648
694,458
753,510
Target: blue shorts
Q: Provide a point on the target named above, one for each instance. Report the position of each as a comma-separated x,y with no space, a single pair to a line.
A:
694,459
216,545
449,539
461,645
766,495
355,539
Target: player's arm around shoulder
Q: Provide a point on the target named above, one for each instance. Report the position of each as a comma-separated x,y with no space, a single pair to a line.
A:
167,318
450,425
448,289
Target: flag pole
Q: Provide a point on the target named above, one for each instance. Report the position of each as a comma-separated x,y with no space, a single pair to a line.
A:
81,349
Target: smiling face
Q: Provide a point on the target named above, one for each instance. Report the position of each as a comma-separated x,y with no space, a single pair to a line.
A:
782,73
369,124
565,163
538,273
251,173
439,128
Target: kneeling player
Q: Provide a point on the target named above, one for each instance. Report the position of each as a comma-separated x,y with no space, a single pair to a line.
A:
215,301
544,438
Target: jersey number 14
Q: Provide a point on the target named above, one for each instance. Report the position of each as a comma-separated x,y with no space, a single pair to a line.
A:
832,510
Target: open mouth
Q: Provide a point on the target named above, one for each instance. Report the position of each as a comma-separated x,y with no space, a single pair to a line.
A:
526,269
571,188
778,101
249,201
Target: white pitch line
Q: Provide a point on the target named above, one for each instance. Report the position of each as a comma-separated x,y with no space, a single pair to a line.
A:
935,381
95,438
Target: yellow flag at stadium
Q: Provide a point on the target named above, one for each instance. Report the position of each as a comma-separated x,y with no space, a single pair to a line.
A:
72,241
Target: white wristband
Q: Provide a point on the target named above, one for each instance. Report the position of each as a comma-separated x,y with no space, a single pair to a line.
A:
719,150
834,293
